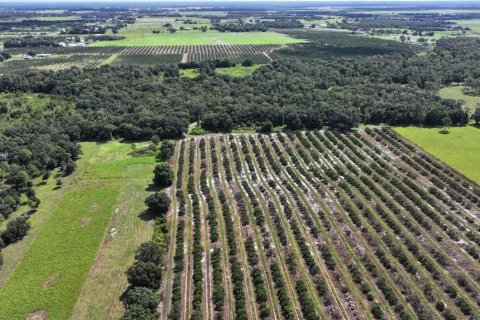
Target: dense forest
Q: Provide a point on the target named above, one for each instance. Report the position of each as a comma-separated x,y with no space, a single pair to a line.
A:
300,92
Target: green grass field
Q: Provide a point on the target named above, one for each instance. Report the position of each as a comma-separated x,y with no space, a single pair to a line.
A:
459,148
238,70
473,24
144,37
456,93
188,73
65,238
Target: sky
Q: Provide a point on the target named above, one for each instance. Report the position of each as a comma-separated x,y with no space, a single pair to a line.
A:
237,1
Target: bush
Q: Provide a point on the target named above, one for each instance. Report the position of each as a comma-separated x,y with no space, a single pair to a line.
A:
16,230
247,63
265,127
143,297
149,252
377,312
137,312
163,175
464,306
158,203
166,150
440,305
144,274
69,168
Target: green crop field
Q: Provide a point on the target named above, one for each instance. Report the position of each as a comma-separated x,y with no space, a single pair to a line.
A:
459,148
141,37
456,93
50,275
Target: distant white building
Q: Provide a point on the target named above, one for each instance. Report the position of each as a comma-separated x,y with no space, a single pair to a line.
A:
62,44
44,55
77,45
27,57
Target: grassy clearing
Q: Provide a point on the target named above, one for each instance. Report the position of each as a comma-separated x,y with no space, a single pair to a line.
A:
456,93
473,24
145,37
239,70
66,245
188,73
459,148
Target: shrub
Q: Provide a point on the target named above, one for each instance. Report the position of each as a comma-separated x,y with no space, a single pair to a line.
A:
377,312
440,305
247,63
16,230
144,274
464,306
137,312
158,203
69,168
265,127
143,297
166,150
163,175
149,251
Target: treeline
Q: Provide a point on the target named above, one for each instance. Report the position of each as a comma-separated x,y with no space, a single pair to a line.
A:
37,42
240,27
104,37
283,24
32,42
376,22
263,25
86,29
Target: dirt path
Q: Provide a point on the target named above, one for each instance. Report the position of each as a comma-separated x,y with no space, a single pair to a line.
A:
249,292
164,306
229,312
206,266
268,57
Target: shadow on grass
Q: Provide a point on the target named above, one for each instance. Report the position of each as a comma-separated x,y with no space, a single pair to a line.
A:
147,215
153,188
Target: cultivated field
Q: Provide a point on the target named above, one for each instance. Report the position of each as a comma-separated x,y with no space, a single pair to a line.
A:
259,54
196,37
317,226
60,259
64,58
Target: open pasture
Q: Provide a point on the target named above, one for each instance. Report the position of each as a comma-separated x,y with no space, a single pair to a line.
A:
319,225
456,93
473,24
238,71
53,269
459,148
